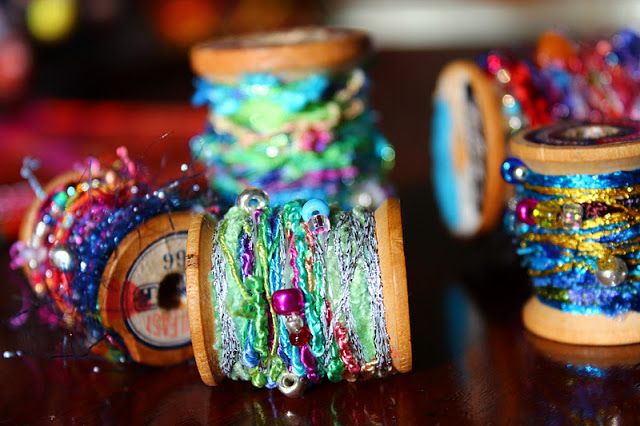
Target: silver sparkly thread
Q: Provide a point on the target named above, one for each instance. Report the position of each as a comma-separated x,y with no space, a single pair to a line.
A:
230,343
374,281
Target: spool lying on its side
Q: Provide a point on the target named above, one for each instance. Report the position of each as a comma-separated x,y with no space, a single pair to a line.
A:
467,147
580,148
394,285
142,294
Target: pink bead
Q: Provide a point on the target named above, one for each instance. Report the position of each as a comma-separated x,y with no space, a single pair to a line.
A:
288,301
524,210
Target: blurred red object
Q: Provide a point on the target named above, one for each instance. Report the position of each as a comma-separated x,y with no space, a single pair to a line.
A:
15,66
184,22
63,133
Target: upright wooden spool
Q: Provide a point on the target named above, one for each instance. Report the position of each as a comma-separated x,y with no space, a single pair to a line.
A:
148,263
394,282
468,145
289,53
569,149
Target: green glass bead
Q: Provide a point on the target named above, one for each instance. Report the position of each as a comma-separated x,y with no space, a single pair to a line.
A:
60,199
546,214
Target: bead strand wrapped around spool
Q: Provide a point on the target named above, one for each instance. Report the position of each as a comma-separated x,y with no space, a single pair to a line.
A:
286,296
477,105
289,113
107,251
576,217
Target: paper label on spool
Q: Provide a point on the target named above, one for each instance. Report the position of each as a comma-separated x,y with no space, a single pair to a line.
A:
583,134
154,294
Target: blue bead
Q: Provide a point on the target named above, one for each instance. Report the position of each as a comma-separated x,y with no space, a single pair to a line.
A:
314,207
513,170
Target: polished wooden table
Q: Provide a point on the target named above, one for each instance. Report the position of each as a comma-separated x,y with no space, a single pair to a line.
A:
473,361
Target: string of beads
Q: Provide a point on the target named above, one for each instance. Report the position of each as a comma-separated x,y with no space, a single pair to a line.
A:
297,294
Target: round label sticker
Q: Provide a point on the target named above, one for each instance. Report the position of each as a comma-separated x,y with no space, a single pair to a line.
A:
154,295
584,134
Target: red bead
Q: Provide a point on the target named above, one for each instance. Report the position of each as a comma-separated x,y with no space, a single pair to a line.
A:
300,338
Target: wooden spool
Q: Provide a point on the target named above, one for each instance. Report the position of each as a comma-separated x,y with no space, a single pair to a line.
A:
130,284
394,281
289,53
571,148
468,146
143,292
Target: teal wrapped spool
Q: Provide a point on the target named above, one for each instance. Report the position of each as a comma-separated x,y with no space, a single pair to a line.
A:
299,129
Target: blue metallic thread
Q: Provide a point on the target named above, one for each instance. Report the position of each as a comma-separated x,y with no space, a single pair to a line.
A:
585,295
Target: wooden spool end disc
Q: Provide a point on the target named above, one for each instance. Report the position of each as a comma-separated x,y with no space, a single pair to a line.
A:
597,330
142,292
580,147
394,283
468,145
297,50
199,297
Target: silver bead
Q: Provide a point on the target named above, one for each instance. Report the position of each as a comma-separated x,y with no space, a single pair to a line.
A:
572,215
252,199
291,385
368,195
612,271
520,173
33,256
319,224
41,229
61,258
294,323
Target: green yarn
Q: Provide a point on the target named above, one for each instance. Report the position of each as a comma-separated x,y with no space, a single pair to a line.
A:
248,298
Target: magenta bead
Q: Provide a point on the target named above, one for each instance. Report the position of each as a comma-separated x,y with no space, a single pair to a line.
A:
288,301
524,210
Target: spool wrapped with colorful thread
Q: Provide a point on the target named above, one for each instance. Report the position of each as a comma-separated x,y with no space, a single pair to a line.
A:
289,113
575,216
289,295
101,247
477,105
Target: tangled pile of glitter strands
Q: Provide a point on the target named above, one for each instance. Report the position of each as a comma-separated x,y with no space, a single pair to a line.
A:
579,237
298,296
79,224
312,137
594,80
